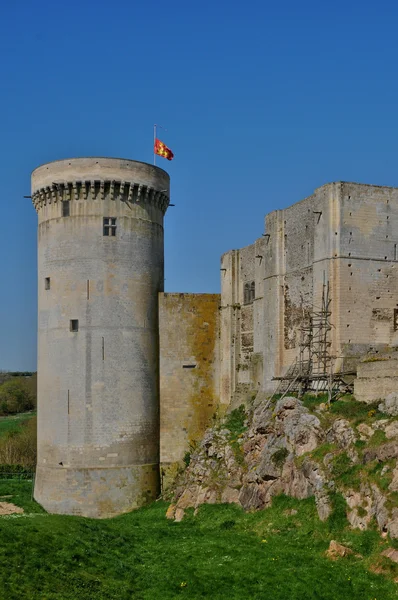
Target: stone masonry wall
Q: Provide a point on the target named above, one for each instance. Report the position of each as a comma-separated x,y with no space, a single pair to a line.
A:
189,344
346,235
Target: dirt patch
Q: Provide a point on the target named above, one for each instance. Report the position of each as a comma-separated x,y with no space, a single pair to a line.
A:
6,508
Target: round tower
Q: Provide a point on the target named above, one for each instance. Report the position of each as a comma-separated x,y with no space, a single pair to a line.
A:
100,268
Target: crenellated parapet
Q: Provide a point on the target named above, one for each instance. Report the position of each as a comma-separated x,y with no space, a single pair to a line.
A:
100,189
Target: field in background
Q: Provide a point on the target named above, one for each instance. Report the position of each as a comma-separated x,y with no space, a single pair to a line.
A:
13,423
222,553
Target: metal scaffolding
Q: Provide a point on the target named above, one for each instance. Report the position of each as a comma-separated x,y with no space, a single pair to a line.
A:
313,370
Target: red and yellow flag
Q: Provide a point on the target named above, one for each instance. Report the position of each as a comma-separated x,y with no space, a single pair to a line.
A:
162,150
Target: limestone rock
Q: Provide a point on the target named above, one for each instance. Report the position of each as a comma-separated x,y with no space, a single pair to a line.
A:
392,525
179,514
294,482
365,432
391,430
390,404
230,495
188,497
268,465
342,434
380,424
316,478
359,500
391,553
393,487
253,496
337,550
378,508
382,453
170,513
302,430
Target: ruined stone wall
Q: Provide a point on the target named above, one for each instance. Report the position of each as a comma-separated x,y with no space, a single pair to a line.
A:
241,351
189,382
345,235
368,268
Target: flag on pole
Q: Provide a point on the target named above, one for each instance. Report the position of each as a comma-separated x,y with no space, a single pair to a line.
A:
162,150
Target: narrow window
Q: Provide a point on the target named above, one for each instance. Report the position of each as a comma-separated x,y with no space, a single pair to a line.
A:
47,283
74,325
246,293
109,226
395,251
252,291
395,319
65,208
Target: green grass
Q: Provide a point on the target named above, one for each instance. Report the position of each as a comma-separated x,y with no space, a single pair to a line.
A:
356,412
345,472
235,422
312,401
12,424
221,553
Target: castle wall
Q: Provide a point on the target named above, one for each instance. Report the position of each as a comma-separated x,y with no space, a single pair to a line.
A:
377,377
189,382
345,235
242,325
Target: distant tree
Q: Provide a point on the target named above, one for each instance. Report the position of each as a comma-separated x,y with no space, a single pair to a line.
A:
15,396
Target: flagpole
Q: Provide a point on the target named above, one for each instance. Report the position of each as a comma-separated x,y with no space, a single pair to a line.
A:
154,142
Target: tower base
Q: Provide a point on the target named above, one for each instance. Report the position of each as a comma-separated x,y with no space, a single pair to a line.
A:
96,493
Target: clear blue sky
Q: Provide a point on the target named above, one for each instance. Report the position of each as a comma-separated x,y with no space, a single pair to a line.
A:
263,102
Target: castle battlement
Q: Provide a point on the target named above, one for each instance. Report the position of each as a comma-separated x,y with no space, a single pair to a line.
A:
96,178
129,192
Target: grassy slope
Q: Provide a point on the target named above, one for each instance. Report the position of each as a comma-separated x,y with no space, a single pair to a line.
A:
13,423
222,553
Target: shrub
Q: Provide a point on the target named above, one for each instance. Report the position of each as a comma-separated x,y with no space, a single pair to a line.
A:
235,421
345,471
279,457
19,447
187,458
16,396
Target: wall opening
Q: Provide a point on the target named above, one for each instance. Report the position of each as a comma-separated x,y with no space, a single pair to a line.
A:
249,292
395,319
74,325
47,283
65,208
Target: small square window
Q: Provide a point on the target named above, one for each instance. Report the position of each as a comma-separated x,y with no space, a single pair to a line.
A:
47,283
109,226
65,208
74,325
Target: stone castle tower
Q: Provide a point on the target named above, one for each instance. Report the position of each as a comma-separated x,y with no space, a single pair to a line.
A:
100,269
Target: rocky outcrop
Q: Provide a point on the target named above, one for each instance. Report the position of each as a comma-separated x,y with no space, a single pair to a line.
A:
337,550
287,449
390,404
